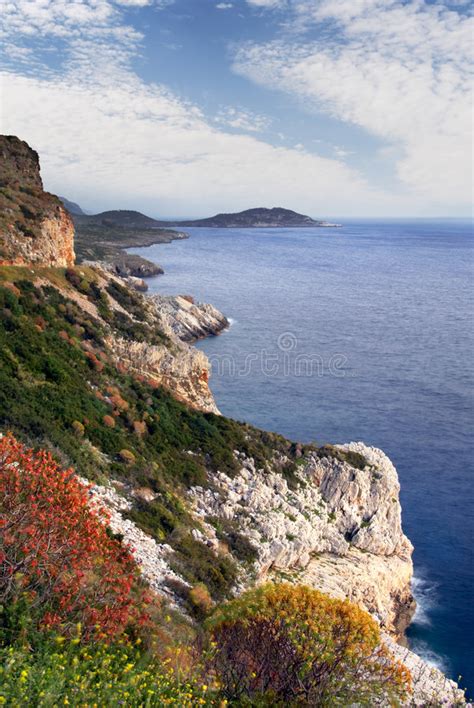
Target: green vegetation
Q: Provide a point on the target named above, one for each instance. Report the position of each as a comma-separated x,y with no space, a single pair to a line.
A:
56,371
59,672
227,530
60,389
285,644
197,563
355,459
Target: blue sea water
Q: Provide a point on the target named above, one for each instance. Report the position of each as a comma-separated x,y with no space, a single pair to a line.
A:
359,333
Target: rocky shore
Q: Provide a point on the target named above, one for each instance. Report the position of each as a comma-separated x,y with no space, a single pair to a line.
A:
287,526
188,320
338,530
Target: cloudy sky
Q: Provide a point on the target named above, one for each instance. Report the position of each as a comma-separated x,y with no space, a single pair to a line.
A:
189,107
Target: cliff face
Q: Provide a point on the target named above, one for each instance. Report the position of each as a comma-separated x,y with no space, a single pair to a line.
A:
169,362
297,538
35,229
339,530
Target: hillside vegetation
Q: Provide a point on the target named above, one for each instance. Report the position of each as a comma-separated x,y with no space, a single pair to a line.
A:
78,628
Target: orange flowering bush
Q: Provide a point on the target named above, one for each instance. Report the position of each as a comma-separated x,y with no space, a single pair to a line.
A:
291,645
56,554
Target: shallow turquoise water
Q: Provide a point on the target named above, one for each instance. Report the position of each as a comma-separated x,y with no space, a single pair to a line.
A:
360,333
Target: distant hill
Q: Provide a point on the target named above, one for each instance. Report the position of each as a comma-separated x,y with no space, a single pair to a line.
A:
123,218
105,236
260,217
254,218
72,207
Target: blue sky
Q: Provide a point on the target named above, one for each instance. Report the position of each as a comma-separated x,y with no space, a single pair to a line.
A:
189,107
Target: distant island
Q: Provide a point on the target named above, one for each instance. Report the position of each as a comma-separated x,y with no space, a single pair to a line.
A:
260,217
254,219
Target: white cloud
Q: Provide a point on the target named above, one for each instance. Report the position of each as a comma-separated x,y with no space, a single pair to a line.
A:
137,146
224,5
241,119
399,70
107,139
267,3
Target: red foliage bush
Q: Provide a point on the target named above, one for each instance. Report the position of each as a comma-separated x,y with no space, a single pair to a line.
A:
57,553
108,421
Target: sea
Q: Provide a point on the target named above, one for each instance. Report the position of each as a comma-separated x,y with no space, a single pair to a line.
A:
363,332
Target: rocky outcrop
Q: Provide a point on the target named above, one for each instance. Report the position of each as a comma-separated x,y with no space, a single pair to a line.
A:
186,319
169,362
182,370
430,686
338,530
130,265
35,228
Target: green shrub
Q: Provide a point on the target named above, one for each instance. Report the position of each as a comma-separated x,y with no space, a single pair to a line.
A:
197,563
227,531
291,645
355,459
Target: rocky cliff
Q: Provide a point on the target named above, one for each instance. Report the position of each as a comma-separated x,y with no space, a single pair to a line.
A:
168,360
339,529
187,319
34,226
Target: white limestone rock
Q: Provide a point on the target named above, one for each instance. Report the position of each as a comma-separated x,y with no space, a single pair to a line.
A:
339,529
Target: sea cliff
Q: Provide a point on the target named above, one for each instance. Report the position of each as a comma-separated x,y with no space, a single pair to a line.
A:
35,228
201,499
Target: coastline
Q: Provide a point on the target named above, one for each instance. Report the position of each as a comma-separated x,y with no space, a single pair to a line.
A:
395,577
403,608
107,246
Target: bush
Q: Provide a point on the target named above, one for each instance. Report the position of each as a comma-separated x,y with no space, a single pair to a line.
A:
200,600
78,428
199,564
58,564
288,645
108,421
127,457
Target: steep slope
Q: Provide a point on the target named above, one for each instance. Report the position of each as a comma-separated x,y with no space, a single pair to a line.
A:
34,225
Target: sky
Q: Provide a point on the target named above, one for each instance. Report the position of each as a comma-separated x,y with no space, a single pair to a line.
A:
183,108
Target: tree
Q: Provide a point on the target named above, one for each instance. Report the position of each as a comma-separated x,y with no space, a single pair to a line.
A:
291,645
